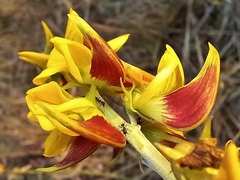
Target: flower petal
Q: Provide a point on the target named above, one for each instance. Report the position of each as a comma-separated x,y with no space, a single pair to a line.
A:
137,75
169,57
35,58
187,107
191,104
56,143
96,129
106,65
77,56
169,78
50,92
118,42
230,165
48,36
80,149
72,32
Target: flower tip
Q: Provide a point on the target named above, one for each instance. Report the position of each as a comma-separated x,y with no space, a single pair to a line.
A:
81,24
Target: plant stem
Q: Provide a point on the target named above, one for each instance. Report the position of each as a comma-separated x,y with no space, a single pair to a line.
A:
153,158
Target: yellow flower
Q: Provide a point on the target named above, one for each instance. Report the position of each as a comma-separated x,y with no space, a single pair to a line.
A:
41,59
75,121
166,100
75,60
202,160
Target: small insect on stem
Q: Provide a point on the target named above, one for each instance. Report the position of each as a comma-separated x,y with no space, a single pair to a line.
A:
99,101
139,120
124,129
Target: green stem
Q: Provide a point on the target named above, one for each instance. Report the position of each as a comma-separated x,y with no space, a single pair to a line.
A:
154,159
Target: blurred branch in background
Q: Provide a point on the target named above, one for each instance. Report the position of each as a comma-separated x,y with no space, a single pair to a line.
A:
186,25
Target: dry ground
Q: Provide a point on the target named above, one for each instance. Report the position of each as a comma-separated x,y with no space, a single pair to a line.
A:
186,25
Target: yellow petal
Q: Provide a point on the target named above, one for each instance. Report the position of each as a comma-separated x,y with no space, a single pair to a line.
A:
50,92
56,143
77,56
171,56
53,117
169,78
45,124
72,32
230,165
56,59
118,42
35,58
48,36
206,132
46,75
179,151
137,75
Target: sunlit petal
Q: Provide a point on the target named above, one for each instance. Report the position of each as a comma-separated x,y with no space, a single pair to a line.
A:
137,75
106,65
170,57
50,92
96,128
230,165
187,107
72,32
191,104
35,58
76,55
169,78
48,36
46,74
118,42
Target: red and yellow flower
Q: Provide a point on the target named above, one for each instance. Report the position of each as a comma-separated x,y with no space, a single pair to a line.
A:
166,100
75,121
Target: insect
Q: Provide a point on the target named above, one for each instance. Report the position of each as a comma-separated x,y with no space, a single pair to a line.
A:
99,101
124,130
139,120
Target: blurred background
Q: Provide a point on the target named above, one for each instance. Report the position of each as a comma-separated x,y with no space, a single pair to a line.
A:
186,25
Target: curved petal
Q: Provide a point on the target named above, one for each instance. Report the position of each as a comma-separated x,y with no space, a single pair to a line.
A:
72,32
169,78
106,65
96,129
48,36
169,57
35,58
118,42
50,92
56,59
229,168
46,74
56,143
80,149
187,107
44,122
191,104
137,75
77,56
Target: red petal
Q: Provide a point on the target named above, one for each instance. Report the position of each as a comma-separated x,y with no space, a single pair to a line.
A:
106,65
190,104
98,129
80,149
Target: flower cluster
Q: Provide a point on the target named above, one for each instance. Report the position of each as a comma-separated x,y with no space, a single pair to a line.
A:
167,106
